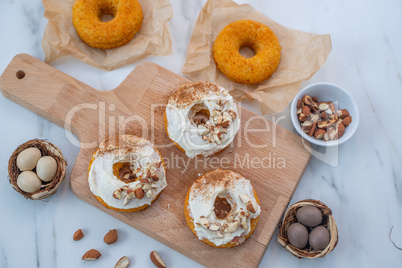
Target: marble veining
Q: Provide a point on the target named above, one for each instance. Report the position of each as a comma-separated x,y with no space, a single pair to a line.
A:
361,181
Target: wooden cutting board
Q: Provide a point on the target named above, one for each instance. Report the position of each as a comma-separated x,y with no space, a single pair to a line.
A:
273,158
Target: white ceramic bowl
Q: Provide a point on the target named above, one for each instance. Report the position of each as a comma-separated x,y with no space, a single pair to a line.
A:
327,92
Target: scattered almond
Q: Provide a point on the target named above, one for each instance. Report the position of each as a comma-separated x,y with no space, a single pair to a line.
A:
126,200
157,260
111,237
224,124
244,223
117,194
213,226
144,180
139,193
91,255
154,177
78,235
252,206
236,239
232,227
123,262
130,193
204,222
245,198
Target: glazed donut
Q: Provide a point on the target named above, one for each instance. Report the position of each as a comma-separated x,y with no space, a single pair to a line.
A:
222,208
127,21
201,118
246,33
126,173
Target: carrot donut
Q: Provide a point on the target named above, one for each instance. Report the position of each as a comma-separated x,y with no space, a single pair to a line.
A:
127,21
222,209
201,118
126,173
247,33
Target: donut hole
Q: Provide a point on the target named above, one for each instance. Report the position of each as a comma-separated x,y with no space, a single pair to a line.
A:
123,172
222,207
247,51
199,114
107,17
106,11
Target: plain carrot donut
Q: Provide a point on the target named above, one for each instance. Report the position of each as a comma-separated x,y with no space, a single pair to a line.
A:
127,21
247,33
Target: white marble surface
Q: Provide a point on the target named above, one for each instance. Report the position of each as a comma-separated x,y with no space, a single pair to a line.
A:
364,189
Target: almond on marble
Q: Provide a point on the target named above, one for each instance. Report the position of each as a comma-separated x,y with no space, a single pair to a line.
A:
78,235
91,255
157,260
111,237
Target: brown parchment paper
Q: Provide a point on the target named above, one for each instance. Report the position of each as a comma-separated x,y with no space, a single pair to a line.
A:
302,55
60,38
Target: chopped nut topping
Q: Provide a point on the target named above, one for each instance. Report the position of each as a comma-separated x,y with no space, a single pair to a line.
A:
214,226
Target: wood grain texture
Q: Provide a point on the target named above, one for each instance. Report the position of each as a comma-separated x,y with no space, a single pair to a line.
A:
136,107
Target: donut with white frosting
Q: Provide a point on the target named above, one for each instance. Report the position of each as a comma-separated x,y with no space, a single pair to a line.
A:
201,118
126,173
222,208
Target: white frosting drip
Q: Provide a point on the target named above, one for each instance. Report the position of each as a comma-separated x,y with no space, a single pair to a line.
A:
201,204
102,181
184,133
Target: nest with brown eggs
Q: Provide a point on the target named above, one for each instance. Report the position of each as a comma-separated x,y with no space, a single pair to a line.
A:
290,218
47,149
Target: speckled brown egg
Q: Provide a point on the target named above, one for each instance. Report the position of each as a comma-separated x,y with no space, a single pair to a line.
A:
319,238
309,216
297,235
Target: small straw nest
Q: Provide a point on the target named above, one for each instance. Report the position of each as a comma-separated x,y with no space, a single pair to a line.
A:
290,218
47,149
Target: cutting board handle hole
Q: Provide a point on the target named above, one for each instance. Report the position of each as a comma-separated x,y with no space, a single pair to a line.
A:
20,74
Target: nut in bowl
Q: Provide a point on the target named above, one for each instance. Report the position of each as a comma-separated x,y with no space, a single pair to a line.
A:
324,114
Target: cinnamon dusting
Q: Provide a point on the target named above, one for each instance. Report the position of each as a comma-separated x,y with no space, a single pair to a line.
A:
191,92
